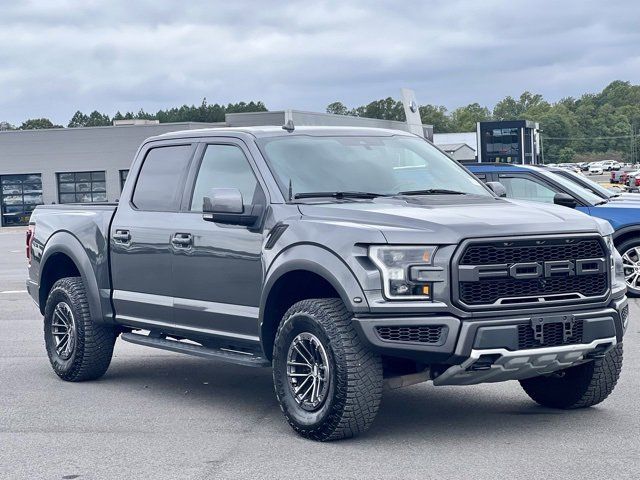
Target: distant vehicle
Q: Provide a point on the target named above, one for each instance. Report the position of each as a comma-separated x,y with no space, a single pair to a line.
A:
609,165
596,169
618,175
584,166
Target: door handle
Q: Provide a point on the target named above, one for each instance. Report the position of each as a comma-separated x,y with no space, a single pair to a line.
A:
122,236
182,240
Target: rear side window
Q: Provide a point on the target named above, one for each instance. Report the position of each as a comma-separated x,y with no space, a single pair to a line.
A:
161,178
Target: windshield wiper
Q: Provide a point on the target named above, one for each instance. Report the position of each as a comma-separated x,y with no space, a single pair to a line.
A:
338,195
432,191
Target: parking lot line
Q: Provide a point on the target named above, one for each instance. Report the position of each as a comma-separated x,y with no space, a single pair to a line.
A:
13,291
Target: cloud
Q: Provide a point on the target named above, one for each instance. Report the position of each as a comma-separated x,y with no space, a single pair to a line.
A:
110,55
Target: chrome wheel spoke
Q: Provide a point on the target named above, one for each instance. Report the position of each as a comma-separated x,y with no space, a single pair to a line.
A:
308,371
631,267
63,330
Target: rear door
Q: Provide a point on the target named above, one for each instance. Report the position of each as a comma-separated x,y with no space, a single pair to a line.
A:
217,274
141,233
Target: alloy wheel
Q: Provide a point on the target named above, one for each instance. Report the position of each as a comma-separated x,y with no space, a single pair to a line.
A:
63,329
631,265
308,371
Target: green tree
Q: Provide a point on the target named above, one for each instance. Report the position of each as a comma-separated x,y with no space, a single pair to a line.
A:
38,124
337,108
437,116
97,119
79,119
566,154
464,119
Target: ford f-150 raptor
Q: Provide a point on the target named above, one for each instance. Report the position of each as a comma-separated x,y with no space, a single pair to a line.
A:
349,260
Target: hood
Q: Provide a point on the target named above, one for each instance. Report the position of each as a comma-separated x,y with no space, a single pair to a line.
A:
447,219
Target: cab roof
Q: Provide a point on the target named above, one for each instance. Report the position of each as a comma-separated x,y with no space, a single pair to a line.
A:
276,131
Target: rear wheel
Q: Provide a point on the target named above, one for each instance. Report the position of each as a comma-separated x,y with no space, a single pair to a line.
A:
577,387
630,251
78,348
328,384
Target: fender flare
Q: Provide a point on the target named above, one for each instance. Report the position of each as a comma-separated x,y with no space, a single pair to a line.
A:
67,244
321,261
625,230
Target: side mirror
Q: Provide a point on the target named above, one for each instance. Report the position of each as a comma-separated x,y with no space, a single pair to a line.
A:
225,205
497,188
565,200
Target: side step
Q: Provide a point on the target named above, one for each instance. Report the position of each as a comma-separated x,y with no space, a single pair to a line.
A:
238,358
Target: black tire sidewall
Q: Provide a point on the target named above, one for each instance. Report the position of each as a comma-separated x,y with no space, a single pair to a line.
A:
303,420
622,248
61,366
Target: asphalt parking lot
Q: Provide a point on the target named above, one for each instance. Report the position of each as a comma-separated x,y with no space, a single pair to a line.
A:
161,415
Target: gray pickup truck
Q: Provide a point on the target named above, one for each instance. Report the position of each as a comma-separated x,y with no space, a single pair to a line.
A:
349,260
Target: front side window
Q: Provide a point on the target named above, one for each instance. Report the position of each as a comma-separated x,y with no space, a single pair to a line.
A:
526,188
380,165
82,187
161,178
224,166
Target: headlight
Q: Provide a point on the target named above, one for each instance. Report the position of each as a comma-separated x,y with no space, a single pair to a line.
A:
399,280
617,269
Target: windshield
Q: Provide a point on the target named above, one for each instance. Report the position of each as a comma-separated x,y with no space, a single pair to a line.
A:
590,184
575,188
376,165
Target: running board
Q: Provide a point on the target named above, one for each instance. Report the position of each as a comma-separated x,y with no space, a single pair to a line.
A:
239,358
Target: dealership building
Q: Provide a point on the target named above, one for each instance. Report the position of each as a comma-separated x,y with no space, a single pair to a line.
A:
70,165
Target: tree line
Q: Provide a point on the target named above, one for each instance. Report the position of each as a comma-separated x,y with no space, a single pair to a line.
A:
595,125
205,112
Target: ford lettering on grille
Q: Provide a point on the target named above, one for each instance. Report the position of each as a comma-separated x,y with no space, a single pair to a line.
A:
520,272
527,270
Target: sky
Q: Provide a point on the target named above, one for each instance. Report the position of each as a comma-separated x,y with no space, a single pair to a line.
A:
61,56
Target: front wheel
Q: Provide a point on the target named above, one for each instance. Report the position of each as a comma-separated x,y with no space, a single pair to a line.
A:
581,386
328,384
630,251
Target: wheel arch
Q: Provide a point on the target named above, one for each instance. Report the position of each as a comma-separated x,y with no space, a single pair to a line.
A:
64,256
623,234
302,272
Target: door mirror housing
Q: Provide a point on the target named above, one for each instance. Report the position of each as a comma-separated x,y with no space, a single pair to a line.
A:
497,188
565,200
225,205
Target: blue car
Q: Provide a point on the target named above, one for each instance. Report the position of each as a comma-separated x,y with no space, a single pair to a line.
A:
548,185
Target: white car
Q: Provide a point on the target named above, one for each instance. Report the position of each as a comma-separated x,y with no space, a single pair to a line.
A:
596,169
609,165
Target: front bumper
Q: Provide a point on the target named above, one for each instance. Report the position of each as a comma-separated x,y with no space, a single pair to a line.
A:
476,351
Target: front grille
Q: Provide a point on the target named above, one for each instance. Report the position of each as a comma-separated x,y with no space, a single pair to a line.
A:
510,291
431,334
553,335
490,291
529,251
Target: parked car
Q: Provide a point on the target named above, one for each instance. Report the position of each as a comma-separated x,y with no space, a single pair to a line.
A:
348,259
618,175
609,165
537,184
596,188
596,169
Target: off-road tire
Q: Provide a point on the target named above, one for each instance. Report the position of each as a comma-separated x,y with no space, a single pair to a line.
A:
355,387
581,386
94,343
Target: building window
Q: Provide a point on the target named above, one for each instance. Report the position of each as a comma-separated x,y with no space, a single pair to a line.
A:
123,178
82,187
19,196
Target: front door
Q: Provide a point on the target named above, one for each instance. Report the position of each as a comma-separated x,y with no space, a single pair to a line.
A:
217,270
